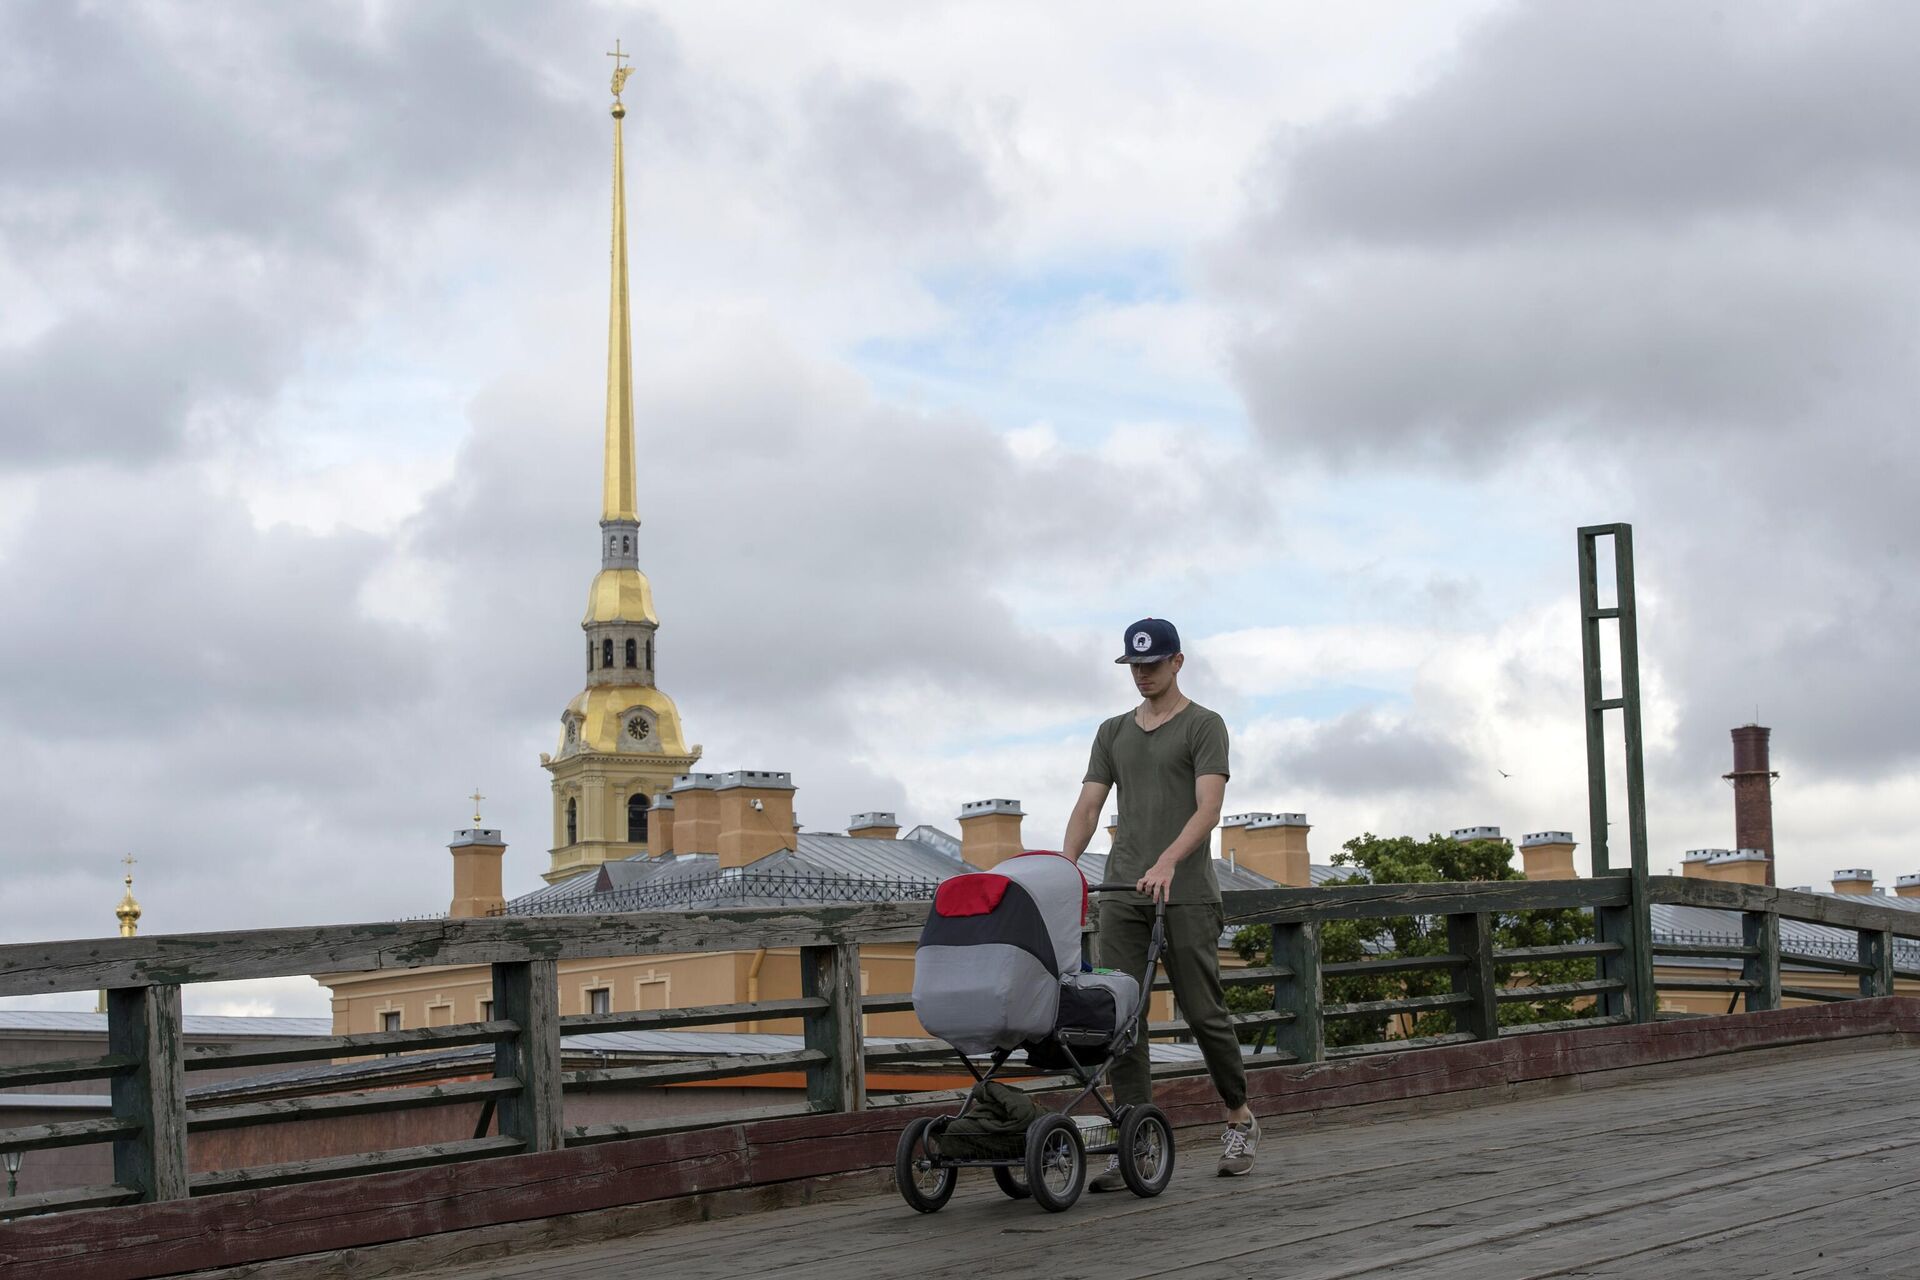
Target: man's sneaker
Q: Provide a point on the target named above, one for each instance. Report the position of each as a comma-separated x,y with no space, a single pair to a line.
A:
1236,1149
1110,1180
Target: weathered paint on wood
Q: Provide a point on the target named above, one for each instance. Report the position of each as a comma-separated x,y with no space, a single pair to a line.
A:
1374,901
1761,932
838,1082
1876,954
298,1171
20,1075
1841,910
1393,964
323,1048
682,1072
1297,947
575,1024
65,1133
1558,951
364,1102
1471,935
31,968
1557,990
528,994
143,1023
1704,950
1402,1004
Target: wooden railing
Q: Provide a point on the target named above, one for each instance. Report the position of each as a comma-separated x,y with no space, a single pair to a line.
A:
147,1067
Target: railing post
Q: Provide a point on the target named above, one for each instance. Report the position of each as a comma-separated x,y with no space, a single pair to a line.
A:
1761,930
1471,935
528,992
1876,949
1297,947
144,1023
832,973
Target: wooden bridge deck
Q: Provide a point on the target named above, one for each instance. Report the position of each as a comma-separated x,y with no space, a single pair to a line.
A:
1801,1163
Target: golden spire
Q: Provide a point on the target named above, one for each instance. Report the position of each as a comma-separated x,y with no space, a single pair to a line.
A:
128,910
476,797
619,502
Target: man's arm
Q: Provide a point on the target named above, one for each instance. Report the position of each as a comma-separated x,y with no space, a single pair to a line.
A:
1209,793
1085,819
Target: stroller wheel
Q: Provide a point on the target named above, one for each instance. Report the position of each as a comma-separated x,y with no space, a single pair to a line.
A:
1012,1181
1056,1162
1146,1150
922,1184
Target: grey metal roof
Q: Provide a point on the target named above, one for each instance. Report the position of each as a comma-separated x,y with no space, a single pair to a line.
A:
211,1026
1232,878
1673,923
58,1101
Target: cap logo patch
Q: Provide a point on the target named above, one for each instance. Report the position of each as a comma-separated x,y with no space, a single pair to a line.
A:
1141,642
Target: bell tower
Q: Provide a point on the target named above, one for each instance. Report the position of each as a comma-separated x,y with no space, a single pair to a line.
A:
620,740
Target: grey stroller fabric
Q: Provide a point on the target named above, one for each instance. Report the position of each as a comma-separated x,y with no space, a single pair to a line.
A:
995,946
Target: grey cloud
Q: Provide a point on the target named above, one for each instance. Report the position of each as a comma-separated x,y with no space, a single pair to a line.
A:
1363,753
872,155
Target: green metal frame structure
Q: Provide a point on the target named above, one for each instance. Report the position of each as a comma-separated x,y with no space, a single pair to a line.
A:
1630,925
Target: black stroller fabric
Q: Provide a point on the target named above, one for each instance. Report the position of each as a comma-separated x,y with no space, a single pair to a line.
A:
994,1128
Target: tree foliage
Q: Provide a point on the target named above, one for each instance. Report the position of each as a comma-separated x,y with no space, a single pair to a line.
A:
1404,860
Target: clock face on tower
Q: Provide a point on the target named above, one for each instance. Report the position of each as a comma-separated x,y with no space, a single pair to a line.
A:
638,730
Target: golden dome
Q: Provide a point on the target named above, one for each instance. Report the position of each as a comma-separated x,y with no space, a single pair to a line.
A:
602,714
620,595
128,911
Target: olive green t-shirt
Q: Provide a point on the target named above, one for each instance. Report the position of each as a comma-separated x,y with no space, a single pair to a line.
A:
1155,773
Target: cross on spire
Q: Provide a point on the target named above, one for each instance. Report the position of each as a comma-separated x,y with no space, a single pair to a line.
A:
129,861
620,70
476,797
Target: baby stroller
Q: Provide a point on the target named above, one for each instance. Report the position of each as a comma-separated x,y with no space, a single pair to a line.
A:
998,969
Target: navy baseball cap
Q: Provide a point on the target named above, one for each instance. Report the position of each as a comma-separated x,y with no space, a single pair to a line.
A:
1150,640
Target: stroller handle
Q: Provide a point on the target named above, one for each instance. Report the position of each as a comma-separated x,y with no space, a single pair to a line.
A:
1126,886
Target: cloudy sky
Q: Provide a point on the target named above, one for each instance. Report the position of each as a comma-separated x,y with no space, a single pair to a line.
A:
965,334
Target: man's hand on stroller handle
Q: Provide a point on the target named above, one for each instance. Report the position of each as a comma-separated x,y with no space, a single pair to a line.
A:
1157,883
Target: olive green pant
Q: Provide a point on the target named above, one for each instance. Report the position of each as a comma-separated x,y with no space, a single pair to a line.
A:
1191,955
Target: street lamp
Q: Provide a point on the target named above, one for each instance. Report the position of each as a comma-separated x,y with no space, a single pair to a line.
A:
12,1159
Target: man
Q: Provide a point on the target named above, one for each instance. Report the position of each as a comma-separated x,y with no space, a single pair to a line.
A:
1168,756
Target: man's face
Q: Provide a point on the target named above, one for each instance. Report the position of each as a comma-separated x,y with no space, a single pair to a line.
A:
1155,678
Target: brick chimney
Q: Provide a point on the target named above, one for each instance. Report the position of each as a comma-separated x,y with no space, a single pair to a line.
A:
660,827
1907,886
990,832
1752,780
477,853
696,813
756,815
878,825
1547,855
1853,880
1273,845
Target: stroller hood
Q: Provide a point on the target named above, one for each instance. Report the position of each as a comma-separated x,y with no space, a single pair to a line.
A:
987,972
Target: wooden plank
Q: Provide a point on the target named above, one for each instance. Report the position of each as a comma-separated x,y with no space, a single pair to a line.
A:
1560,951
1705,984
1876,955
1807,960
33,968
316,1048
1400,1046
1817,995
295,1171
1178,1026
583,1135
1761,931
692,1069
1471,936
1704,950
20,1075
837,1080
65,1199
365,1102
1392,964
528,995
1558,990
1400,1004
1844,911
901,1002
143,1023
65,1133
1258,973
1297,947
575,1024
1375,901
1567,1024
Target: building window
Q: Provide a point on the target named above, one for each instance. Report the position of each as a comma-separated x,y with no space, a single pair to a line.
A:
573,821
589,656
606,652
439,1015
633,653
649,653
651,993
390,1020
600,1000
486,1011
637,819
